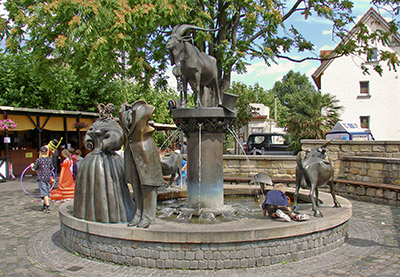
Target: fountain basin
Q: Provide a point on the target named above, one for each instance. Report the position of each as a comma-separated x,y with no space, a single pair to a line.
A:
237,244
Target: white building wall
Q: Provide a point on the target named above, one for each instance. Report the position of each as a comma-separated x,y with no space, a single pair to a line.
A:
261,109
342,79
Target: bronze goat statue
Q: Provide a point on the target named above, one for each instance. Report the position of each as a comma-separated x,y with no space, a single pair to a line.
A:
196,68
313,172
171,166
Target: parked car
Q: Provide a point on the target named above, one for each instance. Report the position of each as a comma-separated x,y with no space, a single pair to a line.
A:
267,144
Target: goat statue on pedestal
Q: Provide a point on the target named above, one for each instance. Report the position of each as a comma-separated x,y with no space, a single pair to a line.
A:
196,68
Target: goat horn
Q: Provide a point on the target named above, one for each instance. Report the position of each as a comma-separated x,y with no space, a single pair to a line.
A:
181,29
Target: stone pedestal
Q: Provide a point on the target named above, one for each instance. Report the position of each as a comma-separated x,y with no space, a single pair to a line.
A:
205,175
204,128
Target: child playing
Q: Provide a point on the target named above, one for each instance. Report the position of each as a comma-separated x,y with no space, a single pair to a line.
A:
277,204
182,181
43,167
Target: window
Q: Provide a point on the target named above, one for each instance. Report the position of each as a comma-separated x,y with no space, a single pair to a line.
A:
256,130
259,139
364,122
374,57
278,139
364,87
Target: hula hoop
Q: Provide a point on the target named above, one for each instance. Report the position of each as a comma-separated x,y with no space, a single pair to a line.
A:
22,186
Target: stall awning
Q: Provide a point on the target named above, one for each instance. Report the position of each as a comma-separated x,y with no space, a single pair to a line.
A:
52,120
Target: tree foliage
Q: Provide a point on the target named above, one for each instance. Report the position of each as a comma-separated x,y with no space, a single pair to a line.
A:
253,94
313,116
21,87
65,90
310,114
62,89
125,38
293,83
116,37
154,96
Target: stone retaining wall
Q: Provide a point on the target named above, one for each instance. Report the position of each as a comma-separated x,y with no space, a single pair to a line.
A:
246,166
202,256
374,163
371,168
369,192
370,148
368,161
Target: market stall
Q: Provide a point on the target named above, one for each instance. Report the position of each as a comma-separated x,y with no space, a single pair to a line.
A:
34,128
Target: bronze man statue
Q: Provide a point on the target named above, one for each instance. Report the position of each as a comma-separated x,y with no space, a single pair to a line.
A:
142,160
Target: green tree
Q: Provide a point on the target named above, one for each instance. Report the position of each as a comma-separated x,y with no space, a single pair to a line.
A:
21,87
244,111
61,89
310,114
157,97
116,37
91,93
125,38
312,117
293,83
64,89
253,94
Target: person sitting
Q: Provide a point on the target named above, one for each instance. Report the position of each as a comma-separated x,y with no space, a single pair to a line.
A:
277,204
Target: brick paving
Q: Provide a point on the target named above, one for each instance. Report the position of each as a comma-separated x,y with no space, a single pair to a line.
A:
29,245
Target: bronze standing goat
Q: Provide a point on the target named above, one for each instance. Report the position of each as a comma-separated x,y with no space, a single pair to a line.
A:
312,172
197,68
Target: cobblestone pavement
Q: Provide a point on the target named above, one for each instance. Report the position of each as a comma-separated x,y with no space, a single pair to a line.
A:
29,245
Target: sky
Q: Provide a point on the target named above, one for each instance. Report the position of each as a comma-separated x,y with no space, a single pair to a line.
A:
317,30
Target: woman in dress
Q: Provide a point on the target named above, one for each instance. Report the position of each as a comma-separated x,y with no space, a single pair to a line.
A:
101,192
66,184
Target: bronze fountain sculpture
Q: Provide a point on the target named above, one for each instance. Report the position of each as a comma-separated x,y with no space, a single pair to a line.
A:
205,125
102,195
196,68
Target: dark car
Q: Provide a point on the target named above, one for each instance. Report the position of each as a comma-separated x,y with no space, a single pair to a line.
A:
267,144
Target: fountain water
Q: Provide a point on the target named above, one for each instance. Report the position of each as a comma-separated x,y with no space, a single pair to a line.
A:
170,138
235,136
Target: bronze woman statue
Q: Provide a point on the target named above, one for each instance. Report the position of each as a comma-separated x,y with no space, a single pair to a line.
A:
101,191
